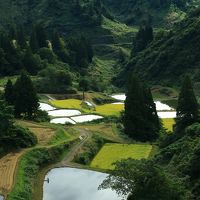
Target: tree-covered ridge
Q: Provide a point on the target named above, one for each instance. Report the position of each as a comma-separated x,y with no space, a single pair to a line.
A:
171,55
157,12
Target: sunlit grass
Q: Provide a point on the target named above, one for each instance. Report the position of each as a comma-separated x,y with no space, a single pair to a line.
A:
168,123
106,109
110,109
110,153
68,103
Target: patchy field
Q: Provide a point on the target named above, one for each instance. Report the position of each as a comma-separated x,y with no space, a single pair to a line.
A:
110,109
110,153
43,133
68,103
106,109
168,123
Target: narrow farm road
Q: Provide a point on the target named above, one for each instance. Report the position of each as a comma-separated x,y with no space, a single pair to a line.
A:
67,161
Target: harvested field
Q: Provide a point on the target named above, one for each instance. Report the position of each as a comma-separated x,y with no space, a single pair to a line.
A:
43,133
7,171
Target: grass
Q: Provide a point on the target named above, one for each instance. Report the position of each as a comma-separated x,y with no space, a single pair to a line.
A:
109,109
168,123
108,131
68,103
60,136
110,153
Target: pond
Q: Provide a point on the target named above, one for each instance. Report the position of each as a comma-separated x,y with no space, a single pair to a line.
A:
76,184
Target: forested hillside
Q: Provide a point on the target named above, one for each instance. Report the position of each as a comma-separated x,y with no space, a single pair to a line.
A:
158,12
170,55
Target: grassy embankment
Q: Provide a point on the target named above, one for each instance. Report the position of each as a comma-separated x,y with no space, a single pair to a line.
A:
36,159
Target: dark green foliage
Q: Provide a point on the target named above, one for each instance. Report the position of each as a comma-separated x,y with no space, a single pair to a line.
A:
155,11
84,86
26,100
54,80
181,158
47,54
144,180
21,38
9,93
41,35
34,42
170,57
143,38
32,63
21,138
140,118
11,136
187,109
90,149
41,116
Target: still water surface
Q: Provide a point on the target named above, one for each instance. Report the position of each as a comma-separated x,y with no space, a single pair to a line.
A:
76,184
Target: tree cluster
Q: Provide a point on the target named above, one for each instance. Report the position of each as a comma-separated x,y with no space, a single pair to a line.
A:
141,121
22,95
142,39
12,136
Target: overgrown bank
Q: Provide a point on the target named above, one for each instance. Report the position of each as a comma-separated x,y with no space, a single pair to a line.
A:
30,165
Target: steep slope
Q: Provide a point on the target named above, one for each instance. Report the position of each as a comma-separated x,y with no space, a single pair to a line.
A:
170,57
159,12
110,39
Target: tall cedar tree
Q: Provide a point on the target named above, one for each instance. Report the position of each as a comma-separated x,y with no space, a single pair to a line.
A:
152,122
9,93
143,38
140,118
26,100
187,109
34,41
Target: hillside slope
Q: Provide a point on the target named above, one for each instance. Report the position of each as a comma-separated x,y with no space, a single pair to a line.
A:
159,13
167,59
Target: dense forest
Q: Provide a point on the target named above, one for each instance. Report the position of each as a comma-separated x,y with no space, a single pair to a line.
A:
72,55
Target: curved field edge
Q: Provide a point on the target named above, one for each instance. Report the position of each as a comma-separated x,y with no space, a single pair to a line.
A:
30,165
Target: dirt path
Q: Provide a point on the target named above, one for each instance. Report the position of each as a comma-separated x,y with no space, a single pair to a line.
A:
84,136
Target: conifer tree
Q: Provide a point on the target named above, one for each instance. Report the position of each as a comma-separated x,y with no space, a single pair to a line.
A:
34,42
9,93
141,121
26,100
187,109
134,109
152,122
41,35
32,63
21,38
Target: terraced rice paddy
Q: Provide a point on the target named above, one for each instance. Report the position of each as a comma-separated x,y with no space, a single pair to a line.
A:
111,153
64,113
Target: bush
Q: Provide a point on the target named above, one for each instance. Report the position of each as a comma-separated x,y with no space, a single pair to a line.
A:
41,116
22,138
